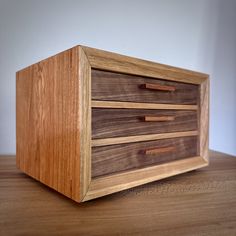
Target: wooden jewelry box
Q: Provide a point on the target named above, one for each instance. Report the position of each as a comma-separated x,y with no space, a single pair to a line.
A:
90,123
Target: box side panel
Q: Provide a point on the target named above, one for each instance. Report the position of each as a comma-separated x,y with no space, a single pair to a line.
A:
27,124
48,121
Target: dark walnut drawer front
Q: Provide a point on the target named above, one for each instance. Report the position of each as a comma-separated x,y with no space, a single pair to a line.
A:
114,159
108,123
112,86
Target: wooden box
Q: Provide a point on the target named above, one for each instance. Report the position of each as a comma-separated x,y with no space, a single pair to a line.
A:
91,123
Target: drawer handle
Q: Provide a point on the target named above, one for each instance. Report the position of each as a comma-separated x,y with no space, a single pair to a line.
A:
158,87
158,118
153,151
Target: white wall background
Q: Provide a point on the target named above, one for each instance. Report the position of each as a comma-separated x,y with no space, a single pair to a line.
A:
198,35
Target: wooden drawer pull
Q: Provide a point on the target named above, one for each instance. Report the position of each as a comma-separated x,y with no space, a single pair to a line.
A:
153,151
157,87
158,118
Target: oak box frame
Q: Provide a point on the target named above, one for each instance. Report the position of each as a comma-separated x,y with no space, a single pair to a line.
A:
54,98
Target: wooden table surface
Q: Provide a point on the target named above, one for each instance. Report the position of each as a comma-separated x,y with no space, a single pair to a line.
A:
201,202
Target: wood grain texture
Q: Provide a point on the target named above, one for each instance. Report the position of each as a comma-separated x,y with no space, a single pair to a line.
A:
108,123
53,129
48,142
205,199
135,105
115,183
110,86
84,124
125,157
140,138
104,60
204,120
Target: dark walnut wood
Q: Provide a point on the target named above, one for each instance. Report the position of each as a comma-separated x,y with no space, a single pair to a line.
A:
107,123
112,86
116,158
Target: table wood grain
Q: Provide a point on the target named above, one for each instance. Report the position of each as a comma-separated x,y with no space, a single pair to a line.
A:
201,202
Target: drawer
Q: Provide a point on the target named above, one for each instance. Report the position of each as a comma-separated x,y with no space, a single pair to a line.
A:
108,123
114,159
112,86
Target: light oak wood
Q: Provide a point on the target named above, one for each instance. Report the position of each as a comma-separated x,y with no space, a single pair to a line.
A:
140,138
84,124
104,60
158,87
114,183
134,105
204,120
48,140
200,202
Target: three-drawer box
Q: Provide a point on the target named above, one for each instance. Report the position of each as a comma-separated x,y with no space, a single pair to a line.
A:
91,123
